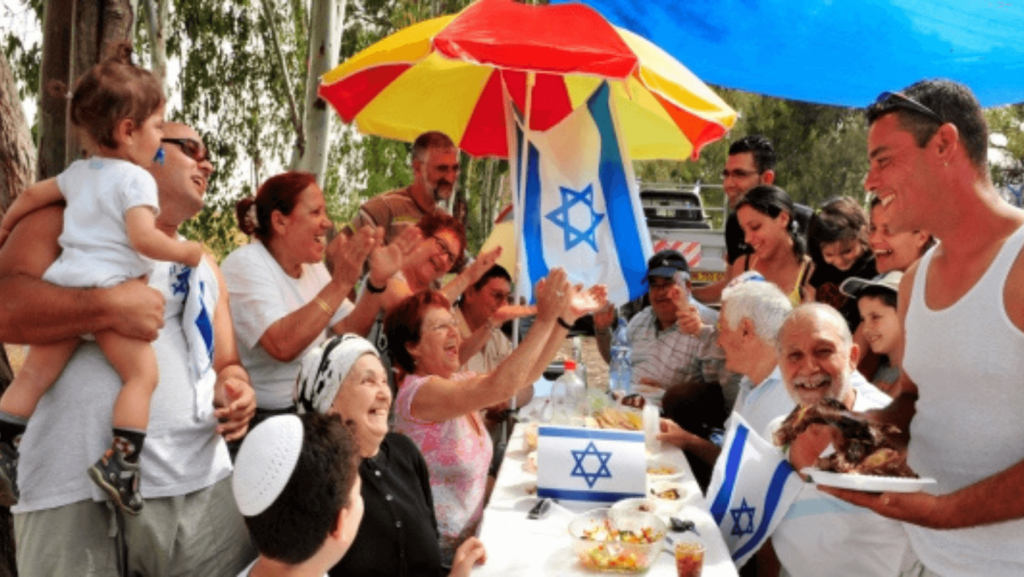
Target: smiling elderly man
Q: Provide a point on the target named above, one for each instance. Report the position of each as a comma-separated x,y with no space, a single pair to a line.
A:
752,313
821,535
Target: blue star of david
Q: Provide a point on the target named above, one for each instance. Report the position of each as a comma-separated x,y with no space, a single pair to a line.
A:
180,286
738,528
602,470
572,236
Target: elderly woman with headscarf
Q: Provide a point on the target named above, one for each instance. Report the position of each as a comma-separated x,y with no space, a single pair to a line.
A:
438,407
398,535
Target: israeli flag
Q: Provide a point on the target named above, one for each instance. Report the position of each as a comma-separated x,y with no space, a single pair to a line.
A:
581,464
751,489
577,201
200,290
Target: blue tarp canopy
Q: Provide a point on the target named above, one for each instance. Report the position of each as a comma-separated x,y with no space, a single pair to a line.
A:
840,52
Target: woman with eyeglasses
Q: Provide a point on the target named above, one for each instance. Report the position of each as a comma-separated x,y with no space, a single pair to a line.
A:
284,301
448,237
438,407
446,244
780,247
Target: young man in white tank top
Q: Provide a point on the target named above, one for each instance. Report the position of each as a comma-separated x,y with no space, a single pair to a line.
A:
962,306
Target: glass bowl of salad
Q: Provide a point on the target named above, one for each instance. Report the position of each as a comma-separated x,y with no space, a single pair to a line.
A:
625,541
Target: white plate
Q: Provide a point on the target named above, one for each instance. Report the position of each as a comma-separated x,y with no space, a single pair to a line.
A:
636,504
663,464
867,483
670,505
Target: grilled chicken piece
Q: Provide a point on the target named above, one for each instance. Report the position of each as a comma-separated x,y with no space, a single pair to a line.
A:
865,447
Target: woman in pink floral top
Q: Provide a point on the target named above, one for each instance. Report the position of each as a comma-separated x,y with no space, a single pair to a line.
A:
438,408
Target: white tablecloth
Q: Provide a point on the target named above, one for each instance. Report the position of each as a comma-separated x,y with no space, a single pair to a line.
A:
520,546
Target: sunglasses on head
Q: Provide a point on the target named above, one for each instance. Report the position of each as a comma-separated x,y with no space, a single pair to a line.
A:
888,101
192,148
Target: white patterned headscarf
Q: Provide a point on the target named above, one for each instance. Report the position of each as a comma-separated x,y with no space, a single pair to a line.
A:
324,370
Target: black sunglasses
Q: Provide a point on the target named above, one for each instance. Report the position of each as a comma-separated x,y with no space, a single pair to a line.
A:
192,148
888,101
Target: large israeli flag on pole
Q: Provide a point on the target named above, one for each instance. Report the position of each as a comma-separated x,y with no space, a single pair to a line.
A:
751,489
576,201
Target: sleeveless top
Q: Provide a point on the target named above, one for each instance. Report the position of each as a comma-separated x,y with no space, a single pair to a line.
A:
967,361
796,296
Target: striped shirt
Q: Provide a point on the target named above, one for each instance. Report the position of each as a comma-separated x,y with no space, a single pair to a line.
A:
670,357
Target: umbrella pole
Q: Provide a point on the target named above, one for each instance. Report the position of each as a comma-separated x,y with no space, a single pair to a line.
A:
518,212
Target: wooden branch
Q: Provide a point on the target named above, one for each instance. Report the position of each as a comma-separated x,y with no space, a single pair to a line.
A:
293,110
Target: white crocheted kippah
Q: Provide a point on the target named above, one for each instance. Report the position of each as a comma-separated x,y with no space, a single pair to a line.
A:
266,462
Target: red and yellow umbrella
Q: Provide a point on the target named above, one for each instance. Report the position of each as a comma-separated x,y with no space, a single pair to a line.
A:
448,73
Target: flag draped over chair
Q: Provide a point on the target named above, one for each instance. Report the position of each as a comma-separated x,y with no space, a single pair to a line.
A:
577,201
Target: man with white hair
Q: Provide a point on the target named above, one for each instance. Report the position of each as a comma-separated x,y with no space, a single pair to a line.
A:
820,534
752,313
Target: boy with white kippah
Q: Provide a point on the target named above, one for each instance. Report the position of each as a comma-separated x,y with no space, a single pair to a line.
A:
297,484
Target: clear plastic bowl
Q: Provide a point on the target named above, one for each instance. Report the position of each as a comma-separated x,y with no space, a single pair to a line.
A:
617,541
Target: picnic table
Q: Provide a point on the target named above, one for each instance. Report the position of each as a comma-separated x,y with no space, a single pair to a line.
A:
517,545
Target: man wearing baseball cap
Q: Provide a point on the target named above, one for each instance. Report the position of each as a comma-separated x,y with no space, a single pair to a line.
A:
674,349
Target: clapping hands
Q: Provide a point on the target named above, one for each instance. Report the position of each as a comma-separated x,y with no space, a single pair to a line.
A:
585,302
407,249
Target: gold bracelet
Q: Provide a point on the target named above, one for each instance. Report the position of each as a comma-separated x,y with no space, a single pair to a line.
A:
326,307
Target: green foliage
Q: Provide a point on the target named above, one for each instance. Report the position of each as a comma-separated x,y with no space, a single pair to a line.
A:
1008,121
821,149
216,227
231,89
25,62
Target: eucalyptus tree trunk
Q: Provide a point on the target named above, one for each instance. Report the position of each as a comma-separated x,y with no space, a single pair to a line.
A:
53,107
326,20
97,24
17,155
157,13
17,165
293,110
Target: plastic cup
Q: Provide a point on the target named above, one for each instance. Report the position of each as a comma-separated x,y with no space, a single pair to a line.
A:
689,558
652,426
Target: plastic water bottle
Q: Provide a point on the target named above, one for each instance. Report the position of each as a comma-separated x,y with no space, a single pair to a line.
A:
575,389
568,396
620,373
577,357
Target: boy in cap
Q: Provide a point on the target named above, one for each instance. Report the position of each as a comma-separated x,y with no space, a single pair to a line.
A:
876,300
296,482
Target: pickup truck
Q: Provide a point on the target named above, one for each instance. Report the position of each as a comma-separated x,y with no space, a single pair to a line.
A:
677,218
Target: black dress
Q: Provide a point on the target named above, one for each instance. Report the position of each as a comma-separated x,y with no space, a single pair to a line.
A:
398,534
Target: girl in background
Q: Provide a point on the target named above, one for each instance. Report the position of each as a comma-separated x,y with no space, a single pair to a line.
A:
838,238
780,248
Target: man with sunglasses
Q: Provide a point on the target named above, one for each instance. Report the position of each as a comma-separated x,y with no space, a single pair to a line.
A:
964,300
751,163
435,170
189,525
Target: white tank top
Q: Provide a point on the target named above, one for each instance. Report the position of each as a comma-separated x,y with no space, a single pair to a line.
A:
968,363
